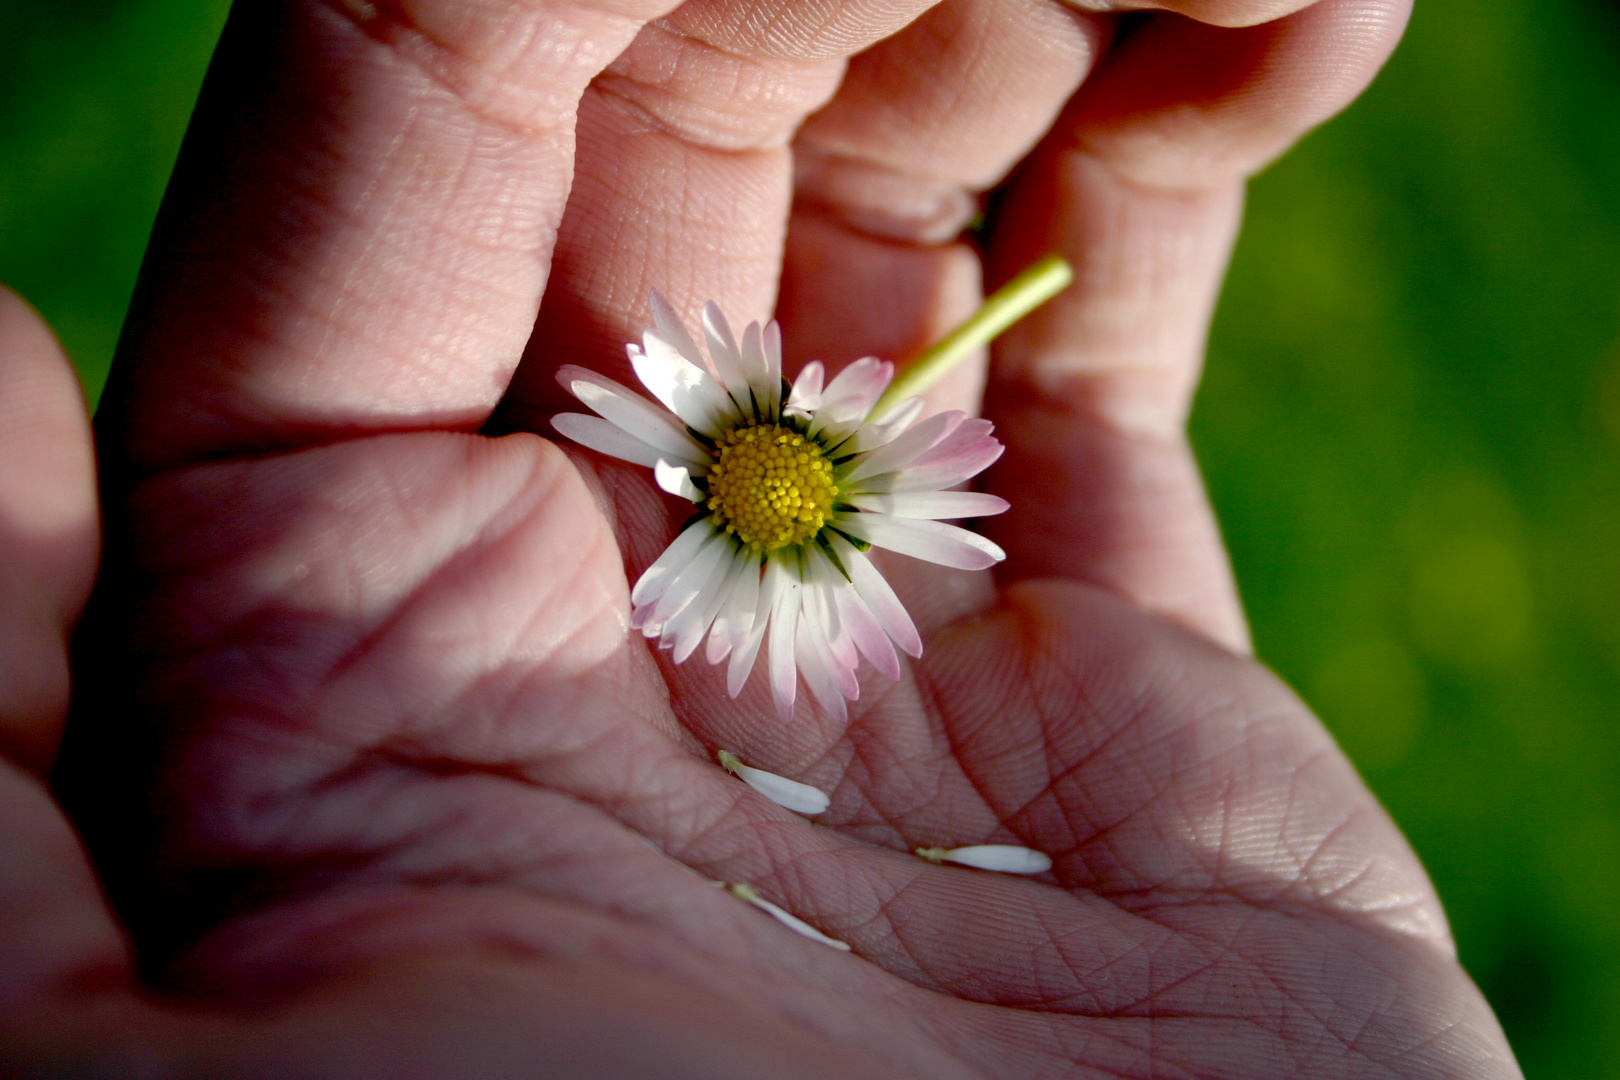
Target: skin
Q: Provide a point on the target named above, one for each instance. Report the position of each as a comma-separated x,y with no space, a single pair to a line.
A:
371,777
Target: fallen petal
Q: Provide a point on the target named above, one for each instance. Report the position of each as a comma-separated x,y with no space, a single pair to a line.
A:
800,798
1002,858
747,894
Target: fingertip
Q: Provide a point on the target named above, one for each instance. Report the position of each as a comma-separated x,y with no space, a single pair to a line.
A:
1185,103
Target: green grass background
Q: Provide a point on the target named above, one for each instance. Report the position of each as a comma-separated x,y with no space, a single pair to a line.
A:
1410,424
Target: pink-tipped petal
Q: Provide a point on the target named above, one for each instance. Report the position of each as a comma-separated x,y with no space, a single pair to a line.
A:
825,580
816,667
839,658
873,435
878,597
906,448
744,652
865,632
806,396
970,432
939,473
849,398
932,504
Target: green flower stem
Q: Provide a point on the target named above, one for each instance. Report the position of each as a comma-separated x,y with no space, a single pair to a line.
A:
1020,296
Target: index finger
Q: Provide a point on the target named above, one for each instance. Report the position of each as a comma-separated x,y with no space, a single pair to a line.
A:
360,224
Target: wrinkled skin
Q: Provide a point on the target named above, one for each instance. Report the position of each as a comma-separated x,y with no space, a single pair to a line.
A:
362,749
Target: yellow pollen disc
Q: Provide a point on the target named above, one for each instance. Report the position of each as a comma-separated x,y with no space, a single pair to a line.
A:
771,486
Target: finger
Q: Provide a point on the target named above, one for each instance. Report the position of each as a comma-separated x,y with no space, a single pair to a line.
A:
52,922
889,173
48,531
684,178
1140,188
358,231
1213,12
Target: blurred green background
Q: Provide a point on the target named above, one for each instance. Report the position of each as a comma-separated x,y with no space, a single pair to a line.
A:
1411,426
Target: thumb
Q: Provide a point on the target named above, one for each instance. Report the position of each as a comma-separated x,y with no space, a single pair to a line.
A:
53,925
48,531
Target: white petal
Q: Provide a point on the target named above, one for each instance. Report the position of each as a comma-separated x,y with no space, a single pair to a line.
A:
726,356
685,389
878,596
743,654
1003,858
806,396
784,632
632,413
773,365
686,630
606,438
799,797
747,894
825,581
906,447
651,585
731,626
677,480
933,541
692,583
673,329
929,504
763,387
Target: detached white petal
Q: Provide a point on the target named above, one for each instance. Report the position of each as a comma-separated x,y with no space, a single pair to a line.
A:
749,895
1002,858
800,798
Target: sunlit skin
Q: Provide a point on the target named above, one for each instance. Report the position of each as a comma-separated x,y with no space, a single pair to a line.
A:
363,748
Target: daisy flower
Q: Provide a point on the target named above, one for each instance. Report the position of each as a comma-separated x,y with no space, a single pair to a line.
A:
792,484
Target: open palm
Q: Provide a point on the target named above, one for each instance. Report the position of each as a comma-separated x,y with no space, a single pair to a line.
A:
364,747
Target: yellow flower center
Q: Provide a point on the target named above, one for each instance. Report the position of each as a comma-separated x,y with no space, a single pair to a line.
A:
771,486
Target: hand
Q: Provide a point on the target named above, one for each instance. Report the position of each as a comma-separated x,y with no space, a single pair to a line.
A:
363,747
